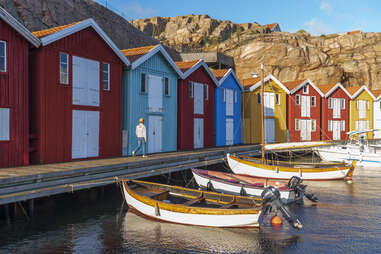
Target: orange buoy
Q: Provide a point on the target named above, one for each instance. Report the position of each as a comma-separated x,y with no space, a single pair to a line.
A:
276,220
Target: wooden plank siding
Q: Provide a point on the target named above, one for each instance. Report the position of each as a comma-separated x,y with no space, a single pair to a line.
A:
14,87
52,106
135,103
355,114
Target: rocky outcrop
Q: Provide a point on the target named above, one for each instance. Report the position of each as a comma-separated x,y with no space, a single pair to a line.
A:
353,59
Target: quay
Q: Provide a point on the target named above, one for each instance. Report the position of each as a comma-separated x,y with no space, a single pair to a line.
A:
37,181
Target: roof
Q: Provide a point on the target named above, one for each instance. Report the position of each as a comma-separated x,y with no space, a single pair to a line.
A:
271,26
190,66
15,24
51,35
294,86
137,56
328,89
270,76
247,83
221,76
377,93
355,91
354,32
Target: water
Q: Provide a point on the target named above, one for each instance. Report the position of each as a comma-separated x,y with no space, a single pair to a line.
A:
346,220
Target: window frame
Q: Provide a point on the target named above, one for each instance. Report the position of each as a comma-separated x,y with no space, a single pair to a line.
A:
259,98
191,89
313,125
297,99
307,89
143,83
313,99
223,94
206,88
108,76
167,91
277,99
9,125
235,96
5,57
342,103
68,69
297,124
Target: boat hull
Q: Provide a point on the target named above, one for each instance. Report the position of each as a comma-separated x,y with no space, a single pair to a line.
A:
239,166
219,219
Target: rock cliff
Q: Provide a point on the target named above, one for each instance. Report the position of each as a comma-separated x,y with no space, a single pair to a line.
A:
353,59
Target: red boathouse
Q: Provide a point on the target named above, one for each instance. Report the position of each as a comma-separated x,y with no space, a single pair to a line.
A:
195,112
334,112
304,110
76,94
15,41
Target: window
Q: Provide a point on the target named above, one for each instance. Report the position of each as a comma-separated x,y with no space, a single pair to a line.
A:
206,92
258,98
224,94
297,99
343,125
3,56
106,77
143,87
277,99
297,124
305,89
367,105
64,68
190,89
235,96
342,103
4,124
313,125
330,104
313,101
330,125
166,87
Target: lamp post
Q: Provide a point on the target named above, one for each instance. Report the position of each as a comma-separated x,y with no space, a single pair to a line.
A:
262,93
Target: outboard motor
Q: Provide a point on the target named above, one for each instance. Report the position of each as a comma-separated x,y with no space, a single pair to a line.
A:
295,184
271,200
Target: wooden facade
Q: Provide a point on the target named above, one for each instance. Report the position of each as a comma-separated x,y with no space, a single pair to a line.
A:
377,113
361,109
227,110
196,106
275,114
15,42
76,94
304,111
150,92
334,112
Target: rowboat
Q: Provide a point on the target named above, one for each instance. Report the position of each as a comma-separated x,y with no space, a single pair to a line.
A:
284,170
180,205
248,185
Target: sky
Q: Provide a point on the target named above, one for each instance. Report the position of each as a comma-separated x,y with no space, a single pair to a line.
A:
315,16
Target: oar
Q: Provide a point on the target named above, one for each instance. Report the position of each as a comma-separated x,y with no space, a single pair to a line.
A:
295,184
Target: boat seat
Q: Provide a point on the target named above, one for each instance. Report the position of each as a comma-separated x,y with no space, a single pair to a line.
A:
226,206
154,195
193,201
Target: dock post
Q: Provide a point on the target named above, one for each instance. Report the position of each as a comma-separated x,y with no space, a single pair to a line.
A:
7,215
31,207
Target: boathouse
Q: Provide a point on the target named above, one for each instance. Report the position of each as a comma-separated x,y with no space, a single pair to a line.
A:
196,105
15,41
150,92
304,110
76,94
334,112
377,113
227,101
275,110
361,109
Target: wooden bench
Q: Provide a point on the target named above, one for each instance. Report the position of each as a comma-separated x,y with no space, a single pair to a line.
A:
193,201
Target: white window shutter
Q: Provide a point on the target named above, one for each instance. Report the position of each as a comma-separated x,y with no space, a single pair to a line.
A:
4,124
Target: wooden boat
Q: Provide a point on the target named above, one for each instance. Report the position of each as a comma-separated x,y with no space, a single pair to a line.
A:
246,185
202,208
284,170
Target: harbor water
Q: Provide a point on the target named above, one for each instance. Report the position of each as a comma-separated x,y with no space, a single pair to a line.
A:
347,219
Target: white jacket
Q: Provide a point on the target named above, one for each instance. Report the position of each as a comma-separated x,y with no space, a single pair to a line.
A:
141,131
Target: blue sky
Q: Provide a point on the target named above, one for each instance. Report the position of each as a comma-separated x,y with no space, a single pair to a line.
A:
315,16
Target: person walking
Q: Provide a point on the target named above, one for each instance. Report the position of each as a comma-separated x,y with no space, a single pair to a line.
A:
141,134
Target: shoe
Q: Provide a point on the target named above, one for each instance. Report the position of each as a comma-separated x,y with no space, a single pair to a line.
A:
133,153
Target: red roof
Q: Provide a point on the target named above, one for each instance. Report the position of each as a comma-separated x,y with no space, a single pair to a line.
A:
219,74
271,26
326,88
247,83
46,32
292,84
376,93
134,54
184,66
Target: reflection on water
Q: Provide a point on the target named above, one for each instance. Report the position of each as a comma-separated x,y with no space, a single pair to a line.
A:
346,220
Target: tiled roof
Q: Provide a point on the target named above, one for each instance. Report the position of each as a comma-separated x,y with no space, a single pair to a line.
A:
43,33
134,54
376,93
247,83
326,88
352,90
271,26
354,32
184,66
219,74
292,84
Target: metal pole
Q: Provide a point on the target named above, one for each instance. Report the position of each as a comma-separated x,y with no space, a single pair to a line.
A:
262,114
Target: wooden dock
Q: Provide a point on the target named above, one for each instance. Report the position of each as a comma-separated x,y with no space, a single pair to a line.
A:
36,181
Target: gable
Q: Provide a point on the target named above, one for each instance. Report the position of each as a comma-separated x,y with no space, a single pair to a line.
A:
364,95
271,87
230,82
158,63
202,76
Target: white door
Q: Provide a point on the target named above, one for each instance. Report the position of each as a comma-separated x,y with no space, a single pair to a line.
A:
198,98
306,106
269,104
336,108
269,131
229,93
155,94
305,130
377,118
198,135
85,134
86,82
336,130
229,131
155,134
